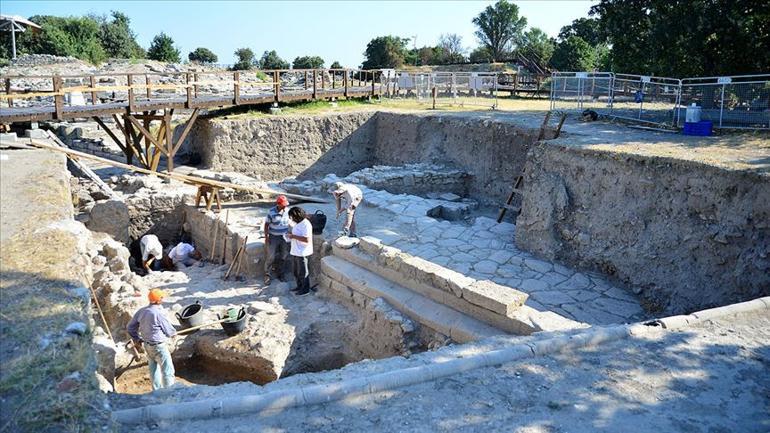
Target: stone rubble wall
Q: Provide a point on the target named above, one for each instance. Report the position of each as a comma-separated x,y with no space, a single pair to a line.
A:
278,147
686,235
493,152
418,179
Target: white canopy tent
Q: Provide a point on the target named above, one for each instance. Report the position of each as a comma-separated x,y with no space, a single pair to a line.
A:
13,24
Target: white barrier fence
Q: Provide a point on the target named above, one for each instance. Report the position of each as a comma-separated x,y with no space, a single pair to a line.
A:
729,102
442,88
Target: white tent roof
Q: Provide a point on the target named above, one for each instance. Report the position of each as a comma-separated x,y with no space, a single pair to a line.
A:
6,21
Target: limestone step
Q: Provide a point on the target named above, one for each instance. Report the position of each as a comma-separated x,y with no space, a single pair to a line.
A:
348,279
495,305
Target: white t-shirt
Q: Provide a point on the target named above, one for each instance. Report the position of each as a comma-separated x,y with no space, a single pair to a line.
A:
150,245
351,196
180,252
299,248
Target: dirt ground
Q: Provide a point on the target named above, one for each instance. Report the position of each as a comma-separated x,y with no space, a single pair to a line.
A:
708,378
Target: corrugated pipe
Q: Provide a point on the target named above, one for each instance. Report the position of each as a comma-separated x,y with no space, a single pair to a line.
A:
304,395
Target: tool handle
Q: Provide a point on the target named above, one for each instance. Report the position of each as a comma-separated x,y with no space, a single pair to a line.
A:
185,331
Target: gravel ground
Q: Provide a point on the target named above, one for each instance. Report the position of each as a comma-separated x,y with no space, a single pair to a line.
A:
708,378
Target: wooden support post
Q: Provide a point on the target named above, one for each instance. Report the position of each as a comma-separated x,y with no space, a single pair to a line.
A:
306,80
323,80
58,97
130,81
315,89
147,144
148,90
236,87
189,101
334,81
277,86
433,93
345,82
169,142
373,84
110,133
195,86
8,91
127,135
185,131
93,93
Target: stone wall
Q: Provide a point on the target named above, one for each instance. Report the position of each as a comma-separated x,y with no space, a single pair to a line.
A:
278,147
494,152
686,235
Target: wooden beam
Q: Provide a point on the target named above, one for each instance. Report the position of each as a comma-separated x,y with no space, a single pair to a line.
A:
186,130
110,133
93,93
169,144
58,97
144,132
193,180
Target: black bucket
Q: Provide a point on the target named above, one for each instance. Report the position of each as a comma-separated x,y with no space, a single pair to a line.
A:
191,315
318,221
234,327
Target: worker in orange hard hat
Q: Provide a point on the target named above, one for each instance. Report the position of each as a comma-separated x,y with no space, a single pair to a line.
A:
276,246
150,328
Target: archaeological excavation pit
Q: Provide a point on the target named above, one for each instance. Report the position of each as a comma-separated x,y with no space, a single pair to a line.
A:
598,233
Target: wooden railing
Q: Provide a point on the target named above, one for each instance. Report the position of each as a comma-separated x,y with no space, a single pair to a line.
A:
190,89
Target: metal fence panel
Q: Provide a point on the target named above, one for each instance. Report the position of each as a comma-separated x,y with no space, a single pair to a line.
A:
647,99
580,90
729,102
452,88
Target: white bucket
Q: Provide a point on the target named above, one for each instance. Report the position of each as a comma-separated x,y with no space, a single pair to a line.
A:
692,115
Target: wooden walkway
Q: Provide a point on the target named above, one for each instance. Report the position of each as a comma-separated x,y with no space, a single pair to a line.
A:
78,96
135,101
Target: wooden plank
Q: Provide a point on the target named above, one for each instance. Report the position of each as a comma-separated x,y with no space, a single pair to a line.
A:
193,180
84,168
148,84
59,98
130,82
93,91
169,144
144,132
276,86
186,130
110,133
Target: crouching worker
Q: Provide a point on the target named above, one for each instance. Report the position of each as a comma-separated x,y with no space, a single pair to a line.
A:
152,253
182,253
301,237
347,197
149,328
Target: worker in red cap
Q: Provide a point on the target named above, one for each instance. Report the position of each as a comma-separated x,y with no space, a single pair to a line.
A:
149,328
276,246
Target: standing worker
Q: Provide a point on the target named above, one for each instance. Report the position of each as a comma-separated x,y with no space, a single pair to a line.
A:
301,237
347,198
276,247
149,328
152,253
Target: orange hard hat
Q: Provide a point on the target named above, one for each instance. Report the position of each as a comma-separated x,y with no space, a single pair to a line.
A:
282,200
156,295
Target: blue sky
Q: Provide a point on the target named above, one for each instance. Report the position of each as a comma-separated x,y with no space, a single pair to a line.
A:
335,30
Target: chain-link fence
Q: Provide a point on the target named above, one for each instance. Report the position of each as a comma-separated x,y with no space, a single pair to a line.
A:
729,102
645,99
581,90
442,88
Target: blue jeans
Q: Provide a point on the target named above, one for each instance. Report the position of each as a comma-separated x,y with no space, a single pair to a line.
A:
161,366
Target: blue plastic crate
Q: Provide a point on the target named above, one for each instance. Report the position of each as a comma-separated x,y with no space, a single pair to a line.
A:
701,129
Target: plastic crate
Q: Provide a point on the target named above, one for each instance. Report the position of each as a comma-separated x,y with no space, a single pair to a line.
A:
701,129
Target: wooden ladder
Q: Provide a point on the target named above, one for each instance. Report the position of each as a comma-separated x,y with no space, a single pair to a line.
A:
508,206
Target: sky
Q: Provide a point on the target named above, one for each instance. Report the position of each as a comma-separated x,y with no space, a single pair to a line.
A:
334,30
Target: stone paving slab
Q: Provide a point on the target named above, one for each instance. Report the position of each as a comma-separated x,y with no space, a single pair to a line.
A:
483,249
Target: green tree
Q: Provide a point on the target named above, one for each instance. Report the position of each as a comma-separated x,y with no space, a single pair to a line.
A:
203,55
308,62
245,59
162,49
499,27
480,55
117,38
385,52
688,37
588,29
61,36
336,65
573,54
537,47
271,60
452,50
